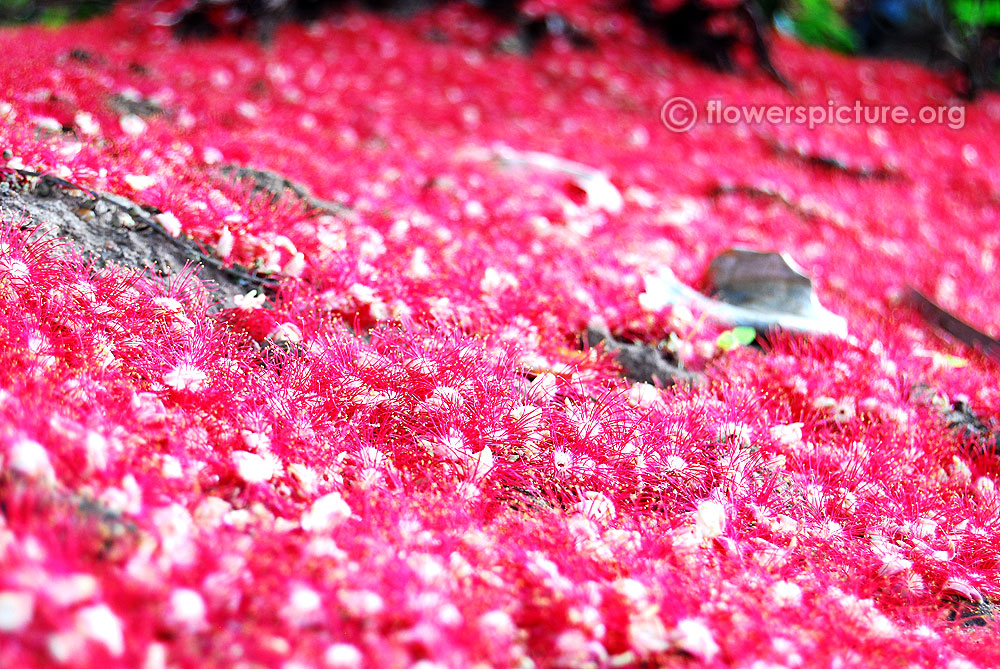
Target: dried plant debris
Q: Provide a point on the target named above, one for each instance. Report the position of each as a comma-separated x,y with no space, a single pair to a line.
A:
277,186
962,420
599,191
111,229
968,425
957,328
968,612
131,102
807,209
762,282
90,525
529,500
641,362
856,168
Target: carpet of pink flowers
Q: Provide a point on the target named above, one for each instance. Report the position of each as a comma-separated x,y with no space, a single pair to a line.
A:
463,486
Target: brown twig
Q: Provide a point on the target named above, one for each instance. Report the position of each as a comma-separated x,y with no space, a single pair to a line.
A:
957,328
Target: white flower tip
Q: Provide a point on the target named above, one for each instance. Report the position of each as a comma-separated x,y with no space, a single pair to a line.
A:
693,637
253,468
710,519
326,513
100,624
224,247
643,395
343,656
185,377
253,300
169,222
186,609
132,125
29,458
139,181
16,610
286,333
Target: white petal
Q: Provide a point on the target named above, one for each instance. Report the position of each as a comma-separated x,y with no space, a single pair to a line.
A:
16,610
253,468
100,624
326,513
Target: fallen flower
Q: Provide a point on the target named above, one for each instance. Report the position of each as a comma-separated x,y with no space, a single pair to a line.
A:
600,192
169,223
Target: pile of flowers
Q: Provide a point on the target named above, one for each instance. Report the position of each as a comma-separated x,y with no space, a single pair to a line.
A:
404,456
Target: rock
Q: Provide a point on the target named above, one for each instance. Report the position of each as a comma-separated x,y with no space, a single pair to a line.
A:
770,290
265,181
763,291
113,230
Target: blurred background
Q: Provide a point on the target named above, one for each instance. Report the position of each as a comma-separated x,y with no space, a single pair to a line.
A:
962,34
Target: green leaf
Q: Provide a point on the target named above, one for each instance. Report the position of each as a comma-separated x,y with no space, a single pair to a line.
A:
54,17
735,338
976,12
819,22
953,360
